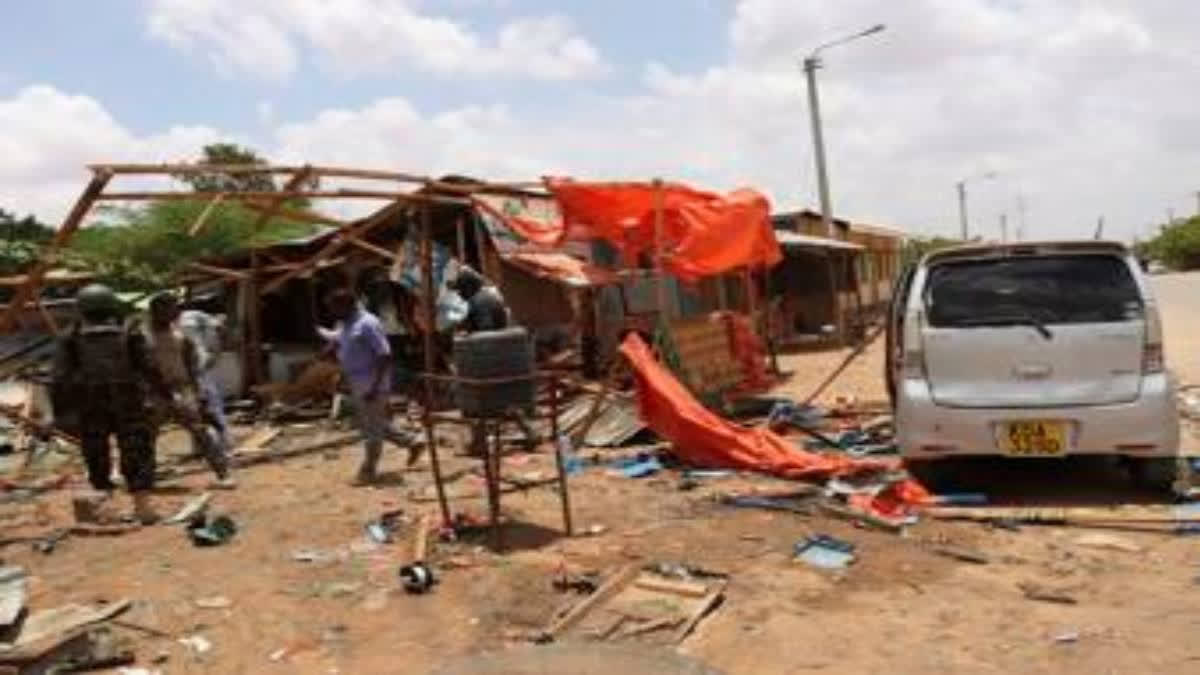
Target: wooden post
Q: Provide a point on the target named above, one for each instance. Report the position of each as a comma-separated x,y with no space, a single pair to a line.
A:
74,219
563,492
252,335
661,286
428,303
460,233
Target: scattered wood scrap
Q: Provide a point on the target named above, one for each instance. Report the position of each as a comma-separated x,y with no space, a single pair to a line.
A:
634,603
14,587
46,629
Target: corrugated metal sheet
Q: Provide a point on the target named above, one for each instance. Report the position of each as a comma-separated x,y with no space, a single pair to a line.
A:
796,240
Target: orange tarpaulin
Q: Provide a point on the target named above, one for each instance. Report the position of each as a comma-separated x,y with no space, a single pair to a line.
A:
703,233
702,438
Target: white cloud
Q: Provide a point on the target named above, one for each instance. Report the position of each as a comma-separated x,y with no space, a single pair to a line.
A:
354,37
1081,106
49,136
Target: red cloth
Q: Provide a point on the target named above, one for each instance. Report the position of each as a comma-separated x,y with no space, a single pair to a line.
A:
705,234
702,438
749,351
895,502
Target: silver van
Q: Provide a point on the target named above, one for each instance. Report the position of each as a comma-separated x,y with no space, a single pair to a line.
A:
1031,350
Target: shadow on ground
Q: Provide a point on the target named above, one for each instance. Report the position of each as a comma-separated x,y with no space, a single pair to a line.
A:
1075,481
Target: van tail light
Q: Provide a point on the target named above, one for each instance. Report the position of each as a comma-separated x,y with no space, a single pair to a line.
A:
1152,359
914,365
912,361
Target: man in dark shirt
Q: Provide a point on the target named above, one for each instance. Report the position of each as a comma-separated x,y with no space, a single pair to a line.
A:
486,311
485,308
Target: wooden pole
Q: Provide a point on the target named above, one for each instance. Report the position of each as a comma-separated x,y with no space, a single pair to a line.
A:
74,219
252,337
286,194
460,233
661,286
427,304
375,220
563,492
204,215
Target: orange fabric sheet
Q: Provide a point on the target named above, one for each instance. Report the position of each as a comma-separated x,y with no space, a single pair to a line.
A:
703,438
704,233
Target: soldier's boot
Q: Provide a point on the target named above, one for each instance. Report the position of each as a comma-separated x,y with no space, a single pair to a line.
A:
368,471
143,511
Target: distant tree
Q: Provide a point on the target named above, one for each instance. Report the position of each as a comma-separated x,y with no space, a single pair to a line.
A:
1177,245
918,247
28,228
218,154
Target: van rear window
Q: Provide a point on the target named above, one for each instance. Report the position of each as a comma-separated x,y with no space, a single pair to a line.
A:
1062,289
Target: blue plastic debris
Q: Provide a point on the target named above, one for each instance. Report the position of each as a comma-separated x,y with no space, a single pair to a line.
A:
572,464
1186,514
787,412
641,469
825,552
960,499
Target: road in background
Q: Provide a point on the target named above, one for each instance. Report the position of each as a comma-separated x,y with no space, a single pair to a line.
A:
1178,298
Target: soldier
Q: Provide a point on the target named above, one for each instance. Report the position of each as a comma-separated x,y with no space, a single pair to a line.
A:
101,376
177,360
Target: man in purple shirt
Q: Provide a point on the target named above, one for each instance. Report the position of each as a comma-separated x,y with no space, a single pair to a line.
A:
365,355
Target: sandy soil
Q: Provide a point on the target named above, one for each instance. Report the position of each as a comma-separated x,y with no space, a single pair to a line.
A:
901,608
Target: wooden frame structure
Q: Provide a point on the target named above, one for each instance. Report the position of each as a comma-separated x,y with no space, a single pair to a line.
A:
427,193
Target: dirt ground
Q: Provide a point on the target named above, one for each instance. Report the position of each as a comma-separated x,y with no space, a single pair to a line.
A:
900,608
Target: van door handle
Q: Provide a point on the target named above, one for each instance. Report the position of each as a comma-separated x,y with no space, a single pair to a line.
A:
1032,371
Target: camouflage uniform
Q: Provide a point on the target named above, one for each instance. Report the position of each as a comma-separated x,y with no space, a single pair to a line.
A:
100,384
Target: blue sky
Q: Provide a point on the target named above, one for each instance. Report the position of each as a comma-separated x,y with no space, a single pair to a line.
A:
1079,106
104,50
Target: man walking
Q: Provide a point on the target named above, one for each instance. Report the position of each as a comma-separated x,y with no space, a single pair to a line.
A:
100,379
207,333
177,360
362,349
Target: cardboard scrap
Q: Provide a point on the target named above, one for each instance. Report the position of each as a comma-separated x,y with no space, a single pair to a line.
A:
14,588
43,630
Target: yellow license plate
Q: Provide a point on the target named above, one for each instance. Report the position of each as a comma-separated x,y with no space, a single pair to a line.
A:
1034,439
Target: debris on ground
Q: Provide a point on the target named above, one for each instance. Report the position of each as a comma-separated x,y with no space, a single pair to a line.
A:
825,552
14,587
1040,593
1108,541
205,532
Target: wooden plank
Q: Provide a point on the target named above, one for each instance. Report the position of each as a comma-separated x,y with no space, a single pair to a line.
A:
378,218
370,248
609,588
330,171
223,272
854,515
421,539
73,221
649,583
46,629
705,607
304,216
258,439
204,215
284,194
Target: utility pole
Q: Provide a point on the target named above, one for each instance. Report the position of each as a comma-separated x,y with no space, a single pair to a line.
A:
962,210
811,63
1099,228
1170,216
1020,217
1004,228
1198,202
814,110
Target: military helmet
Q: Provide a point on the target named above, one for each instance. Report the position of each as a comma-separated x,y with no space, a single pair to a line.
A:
96,301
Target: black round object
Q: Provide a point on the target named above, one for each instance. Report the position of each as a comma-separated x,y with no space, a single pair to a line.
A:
494,354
